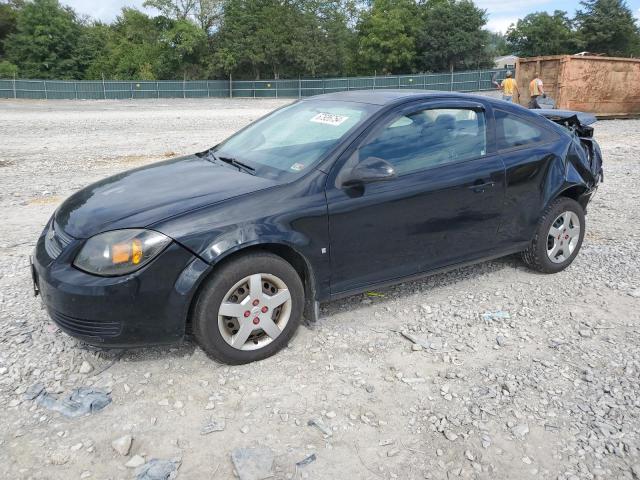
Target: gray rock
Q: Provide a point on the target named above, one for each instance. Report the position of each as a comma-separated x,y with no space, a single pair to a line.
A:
450,435
156,469
520,430
122,445
34,391
85,367
135,462
213,425
253,463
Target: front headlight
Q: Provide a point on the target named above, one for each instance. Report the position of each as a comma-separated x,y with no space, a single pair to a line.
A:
120,252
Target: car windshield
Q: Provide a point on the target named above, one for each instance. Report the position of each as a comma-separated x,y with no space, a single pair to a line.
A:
292,140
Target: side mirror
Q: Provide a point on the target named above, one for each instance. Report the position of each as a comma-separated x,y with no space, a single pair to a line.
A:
369,170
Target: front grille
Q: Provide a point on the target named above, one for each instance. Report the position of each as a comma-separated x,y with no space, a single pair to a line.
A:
55,240
85,328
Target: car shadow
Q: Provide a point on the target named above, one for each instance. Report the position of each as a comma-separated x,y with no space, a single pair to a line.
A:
425,285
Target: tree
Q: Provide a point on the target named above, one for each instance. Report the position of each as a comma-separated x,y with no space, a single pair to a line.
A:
453,36
8,20
8,69
608,26
46,41
205,13
387,36
132,49
497,45
325,40
542,34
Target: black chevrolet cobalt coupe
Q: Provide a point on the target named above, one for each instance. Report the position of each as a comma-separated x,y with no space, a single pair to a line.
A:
324,198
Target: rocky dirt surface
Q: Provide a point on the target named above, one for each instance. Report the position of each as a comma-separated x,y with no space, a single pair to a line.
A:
520,375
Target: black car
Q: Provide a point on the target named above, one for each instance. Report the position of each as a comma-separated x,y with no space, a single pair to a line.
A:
324,198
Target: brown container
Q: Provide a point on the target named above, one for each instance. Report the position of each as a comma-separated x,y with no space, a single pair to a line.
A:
605,86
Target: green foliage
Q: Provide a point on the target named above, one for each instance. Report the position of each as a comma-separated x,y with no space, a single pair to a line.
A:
205,13
453,36
46,41
255,39
543,34
497,45
387,36
8,69
608,26
8,22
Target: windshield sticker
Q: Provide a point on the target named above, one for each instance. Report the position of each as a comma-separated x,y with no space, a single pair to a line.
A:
329,119
296,167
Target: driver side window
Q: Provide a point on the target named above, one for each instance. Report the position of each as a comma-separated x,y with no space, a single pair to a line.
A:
428,138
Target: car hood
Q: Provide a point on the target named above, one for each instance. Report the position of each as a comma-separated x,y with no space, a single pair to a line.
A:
140,197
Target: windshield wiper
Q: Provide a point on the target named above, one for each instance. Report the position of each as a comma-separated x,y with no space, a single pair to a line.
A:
236,163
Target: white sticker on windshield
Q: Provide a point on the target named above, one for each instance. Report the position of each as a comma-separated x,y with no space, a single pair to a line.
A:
329,119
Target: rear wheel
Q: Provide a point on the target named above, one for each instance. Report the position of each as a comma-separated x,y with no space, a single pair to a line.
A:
249,309
558,237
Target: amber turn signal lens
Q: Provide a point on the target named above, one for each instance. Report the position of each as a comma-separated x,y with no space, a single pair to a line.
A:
136,249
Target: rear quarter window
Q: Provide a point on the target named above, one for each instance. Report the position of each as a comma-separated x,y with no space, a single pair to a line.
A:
516,132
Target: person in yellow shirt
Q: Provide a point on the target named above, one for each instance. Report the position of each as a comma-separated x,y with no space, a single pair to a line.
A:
536,89
508,87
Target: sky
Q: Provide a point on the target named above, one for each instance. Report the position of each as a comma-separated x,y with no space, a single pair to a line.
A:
501,12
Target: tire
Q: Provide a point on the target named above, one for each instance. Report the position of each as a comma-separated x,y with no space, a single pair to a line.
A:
235,284
541,255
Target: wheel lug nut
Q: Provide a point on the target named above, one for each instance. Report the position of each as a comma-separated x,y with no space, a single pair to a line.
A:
256,302
256,321
247,313
265,309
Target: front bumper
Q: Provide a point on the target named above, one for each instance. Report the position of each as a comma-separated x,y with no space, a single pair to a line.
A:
147,307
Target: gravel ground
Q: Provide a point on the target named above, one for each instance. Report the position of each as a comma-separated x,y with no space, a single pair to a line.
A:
523,375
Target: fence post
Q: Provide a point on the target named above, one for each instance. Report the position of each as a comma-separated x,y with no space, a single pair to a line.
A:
398,82
157,89
276,82
184,81
230,86
75,87
451,85
104,90
479,79
14,87
46,94
299,87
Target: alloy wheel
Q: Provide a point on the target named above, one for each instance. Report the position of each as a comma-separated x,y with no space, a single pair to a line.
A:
254,312
563,237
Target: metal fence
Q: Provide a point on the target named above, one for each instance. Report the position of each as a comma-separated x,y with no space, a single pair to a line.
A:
468,81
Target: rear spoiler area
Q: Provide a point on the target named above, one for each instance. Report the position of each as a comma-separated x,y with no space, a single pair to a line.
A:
567,117
574,121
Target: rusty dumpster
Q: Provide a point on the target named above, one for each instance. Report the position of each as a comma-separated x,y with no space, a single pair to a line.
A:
605,86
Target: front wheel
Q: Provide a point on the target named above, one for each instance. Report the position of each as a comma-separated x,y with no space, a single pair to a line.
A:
249,309
558,237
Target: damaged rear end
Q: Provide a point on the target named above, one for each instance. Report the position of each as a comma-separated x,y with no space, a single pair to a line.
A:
584,154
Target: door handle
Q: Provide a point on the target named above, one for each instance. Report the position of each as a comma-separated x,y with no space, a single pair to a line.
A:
479,187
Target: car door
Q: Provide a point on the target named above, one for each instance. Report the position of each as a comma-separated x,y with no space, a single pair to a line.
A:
441,207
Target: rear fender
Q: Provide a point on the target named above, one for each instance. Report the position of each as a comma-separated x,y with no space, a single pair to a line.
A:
574,173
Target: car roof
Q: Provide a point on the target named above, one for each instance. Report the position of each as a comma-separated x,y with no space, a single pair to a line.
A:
392,96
